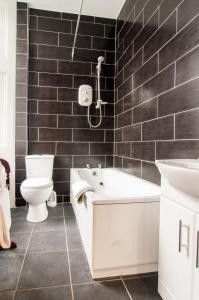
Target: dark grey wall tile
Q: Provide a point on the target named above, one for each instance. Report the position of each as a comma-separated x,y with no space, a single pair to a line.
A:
181,98
139,6
187,67
125,118
48,134
87,55
149,9
187,125
145,111
41,148
143,150
150,172
133,65
54,107
81,161
33,22
56,25
187,10
62,162
123,149
45,13
42,93
72,148
132,166
147,71
43,65
166,8
177,149
56,80
33,134
158,129
35,120
88,135
118,162
43,37
22,46
66,39
54,52
133,99
101,148
72,121
69,67
161,37
125,88
66,94
159,84
183,42
149,28
132,133
87,29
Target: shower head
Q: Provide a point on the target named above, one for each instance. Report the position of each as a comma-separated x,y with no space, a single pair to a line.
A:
100,59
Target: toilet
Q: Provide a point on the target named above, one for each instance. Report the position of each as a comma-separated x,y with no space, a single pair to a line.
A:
38,186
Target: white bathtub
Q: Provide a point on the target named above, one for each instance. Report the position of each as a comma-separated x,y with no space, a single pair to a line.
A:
119,222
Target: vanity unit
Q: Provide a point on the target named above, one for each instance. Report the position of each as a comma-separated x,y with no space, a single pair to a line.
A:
179,230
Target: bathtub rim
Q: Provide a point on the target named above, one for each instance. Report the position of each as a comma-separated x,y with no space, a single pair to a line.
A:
97,198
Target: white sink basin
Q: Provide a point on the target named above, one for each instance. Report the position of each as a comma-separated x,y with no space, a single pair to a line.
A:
183,174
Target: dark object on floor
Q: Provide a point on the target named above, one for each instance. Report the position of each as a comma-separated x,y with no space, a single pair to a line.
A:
12,246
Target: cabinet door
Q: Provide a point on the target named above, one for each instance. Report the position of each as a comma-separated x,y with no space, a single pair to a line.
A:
175,253
196,261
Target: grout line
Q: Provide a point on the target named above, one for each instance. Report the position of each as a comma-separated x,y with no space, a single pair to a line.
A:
25,254
126,289
69,268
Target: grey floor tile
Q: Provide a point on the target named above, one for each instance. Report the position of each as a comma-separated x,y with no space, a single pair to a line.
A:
21,239
53,224
19,213
74,240
21,225
109,290
44,270
143,288
6,295
47,241
68,210
71,223
80,271
9,271
56,293
55,212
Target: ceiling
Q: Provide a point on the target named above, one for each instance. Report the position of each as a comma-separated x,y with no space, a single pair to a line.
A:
97,8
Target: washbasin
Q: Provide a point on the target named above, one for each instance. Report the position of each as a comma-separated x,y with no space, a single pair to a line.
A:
183,174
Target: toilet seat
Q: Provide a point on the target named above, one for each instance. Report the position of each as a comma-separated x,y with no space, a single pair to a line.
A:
37,183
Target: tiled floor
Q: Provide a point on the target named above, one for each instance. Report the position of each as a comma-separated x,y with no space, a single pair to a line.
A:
50,264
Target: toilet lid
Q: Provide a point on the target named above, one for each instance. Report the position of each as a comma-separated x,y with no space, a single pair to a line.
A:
37,182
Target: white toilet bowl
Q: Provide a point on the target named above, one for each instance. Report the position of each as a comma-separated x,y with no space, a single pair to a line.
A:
38,186
36,191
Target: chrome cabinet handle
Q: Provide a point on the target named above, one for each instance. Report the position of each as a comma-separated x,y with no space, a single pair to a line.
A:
186,246
197,251
180,236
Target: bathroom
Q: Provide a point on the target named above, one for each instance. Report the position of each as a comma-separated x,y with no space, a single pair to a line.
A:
103,94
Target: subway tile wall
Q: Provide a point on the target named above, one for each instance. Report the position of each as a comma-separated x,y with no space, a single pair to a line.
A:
21,96
156,84
56,123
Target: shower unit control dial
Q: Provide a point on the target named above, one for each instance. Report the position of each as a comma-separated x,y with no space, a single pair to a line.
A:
85,95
